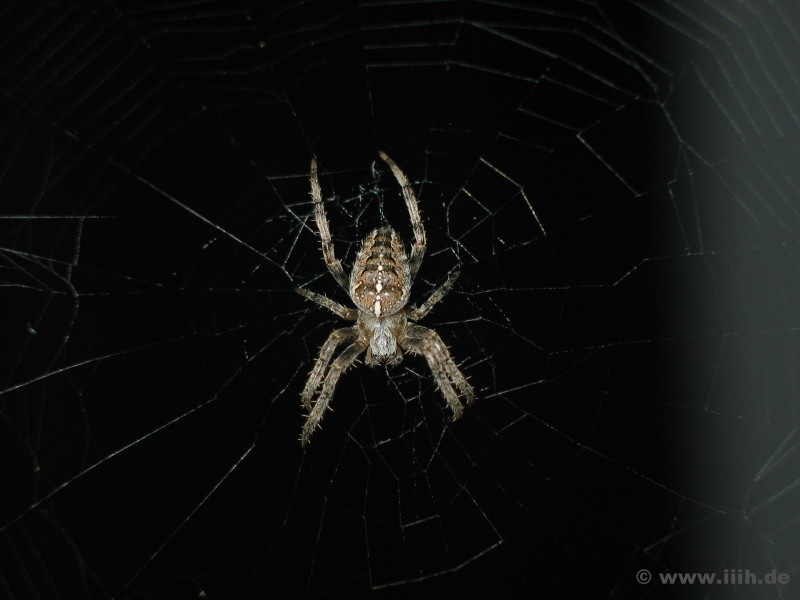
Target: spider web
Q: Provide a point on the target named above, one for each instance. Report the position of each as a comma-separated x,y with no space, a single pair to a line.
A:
617,182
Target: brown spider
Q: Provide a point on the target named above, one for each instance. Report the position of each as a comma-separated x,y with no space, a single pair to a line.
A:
380,286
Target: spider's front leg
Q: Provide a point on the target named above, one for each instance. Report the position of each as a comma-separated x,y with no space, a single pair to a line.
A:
335,339
421,340
339,366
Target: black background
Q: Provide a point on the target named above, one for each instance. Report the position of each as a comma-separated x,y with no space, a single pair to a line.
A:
617,182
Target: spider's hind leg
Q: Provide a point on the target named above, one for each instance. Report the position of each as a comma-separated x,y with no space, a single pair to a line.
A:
334,264
418,246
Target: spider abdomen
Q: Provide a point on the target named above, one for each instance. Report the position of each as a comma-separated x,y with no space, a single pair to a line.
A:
380,280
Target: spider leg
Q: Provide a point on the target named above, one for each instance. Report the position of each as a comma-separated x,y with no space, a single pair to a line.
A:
418,247
415,314
421,340
335,339
450,395
339,366
333,264
348,314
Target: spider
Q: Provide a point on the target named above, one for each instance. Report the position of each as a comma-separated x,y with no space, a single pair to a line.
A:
379,286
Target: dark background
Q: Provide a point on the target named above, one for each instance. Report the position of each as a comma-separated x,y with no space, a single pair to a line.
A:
617,182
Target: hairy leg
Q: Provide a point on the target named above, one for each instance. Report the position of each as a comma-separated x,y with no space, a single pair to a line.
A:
415,314
333,264
434,363
339,366
421,340
418,247
335,339
349,314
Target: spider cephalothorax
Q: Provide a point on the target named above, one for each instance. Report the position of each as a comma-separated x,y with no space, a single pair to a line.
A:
379,286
